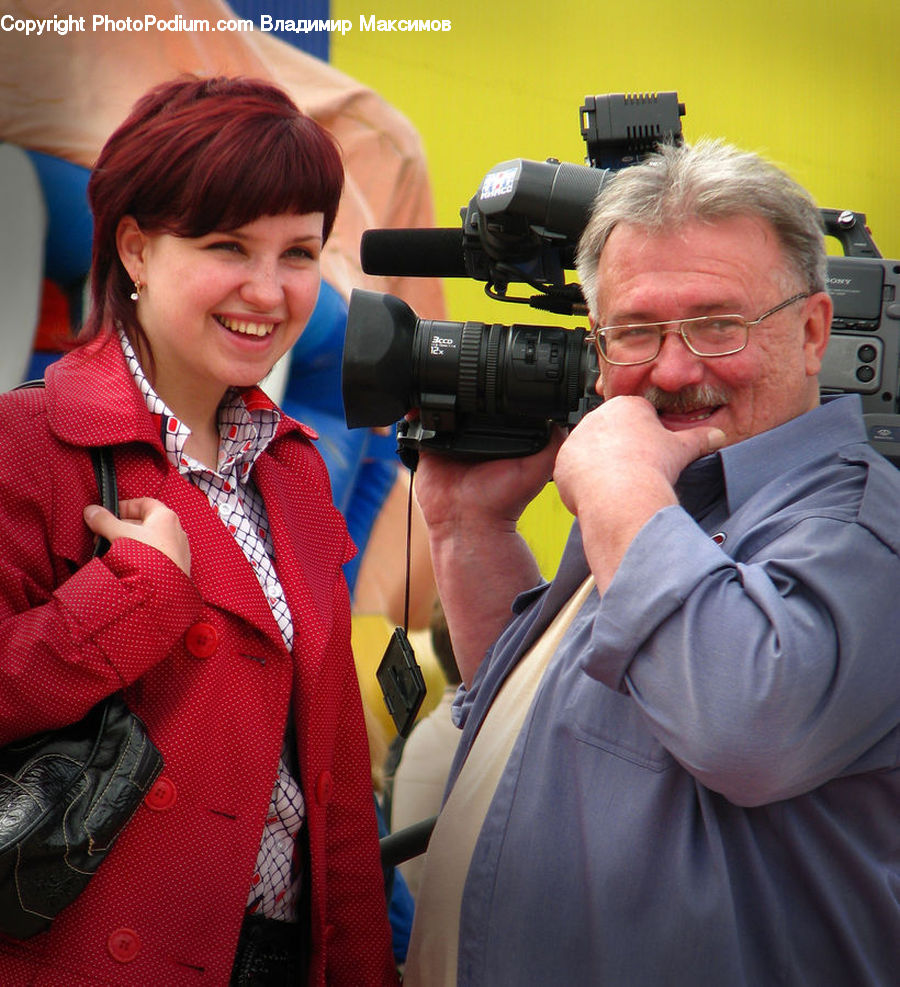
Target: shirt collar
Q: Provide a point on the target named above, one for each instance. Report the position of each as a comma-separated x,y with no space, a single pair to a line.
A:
248,419
748,466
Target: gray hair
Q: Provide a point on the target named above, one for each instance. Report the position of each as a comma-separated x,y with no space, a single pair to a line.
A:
708,181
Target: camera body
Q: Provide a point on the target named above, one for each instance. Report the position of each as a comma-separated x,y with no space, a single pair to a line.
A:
863,355
492,391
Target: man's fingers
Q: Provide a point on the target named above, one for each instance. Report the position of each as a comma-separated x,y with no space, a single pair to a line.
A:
715,439
702,441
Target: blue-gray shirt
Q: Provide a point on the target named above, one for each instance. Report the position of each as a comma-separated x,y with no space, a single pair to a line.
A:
706,788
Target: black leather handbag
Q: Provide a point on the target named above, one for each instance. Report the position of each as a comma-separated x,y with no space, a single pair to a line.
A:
65,795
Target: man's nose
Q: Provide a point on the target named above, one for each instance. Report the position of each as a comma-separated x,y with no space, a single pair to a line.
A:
675,365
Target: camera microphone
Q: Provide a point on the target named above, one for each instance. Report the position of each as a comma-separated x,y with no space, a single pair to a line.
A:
414,253
522,225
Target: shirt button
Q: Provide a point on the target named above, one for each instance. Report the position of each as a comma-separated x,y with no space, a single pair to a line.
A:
123,945
201,639
324,788
162,795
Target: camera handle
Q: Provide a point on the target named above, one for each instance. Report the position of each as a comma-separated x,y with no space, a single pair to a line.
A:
850,229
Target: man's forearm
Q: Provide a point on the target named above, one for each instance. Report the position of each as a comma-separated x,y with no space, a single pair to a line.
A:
479,572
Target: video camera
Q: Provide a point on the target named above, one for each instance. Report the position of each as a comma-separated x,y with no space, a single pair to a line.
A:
863,354
494,391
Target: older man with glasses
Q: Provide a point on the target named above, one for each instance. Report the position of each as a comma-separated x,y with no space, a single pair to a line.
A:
678,760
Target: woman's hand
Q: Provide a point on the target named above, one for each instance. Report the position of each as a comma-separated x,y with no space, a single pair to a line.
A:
145,520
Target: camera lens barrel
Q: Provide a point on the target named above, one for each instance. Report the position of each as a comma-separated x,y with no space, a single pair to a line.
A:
490,388
524,372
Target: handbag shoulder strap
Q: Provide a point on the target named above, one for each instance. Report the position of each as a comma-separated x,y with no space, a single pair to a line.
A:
104,471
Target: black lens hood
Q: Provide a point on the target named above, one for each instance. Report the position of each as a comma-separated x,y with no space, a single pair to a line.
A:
377,369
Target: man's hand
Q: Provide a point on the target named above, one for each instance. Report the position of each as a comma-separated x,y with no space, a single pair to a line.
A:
490,493
480,561
145,520
618,468
623,438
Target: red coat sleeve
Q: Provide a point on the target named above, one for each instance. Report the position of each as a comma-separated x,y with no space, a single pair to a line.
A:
72,630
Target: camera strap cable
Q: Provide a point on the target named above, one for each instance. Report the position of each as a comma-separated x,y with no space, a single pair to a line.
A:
404,696
409,514
399,675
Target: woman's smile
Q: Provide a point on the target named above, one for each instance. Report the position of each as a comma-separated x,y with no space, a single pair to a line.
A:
245,327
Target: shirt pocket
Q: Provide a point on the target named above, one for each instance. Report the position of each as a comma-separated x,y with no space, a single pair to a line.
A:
612,722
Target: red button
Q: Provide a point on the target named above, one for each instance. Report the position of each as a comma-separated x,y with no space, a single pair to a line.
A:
123,945
162,795
324,788
201,639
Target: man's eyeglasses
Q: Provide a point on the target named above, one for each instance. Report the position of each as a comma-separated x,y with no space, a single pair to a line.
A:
708,335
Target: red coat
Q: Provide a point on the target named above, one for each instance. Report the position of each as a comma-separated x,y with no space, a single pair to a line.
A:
204,665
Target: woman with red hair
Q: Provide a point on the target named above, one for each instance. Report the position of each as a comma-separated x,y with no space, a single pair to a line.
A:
221,608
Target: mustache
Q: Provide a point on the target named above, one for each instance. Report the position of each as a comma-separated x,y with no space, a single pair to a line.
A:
687,399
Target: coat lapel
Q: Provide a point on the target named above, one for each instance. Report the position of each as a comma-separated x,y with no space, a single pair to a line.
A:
219,567
311,548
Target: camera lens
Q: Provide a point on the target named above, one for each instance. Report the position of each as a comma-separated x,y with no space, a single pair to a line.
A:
522,372
481,389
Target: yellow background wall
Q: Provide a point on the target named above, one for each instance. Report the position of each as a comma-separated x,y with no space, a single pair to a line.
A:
811,84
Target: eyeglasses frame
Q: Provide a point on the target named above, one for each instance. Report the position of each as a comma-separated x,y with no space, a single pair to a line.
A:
678,326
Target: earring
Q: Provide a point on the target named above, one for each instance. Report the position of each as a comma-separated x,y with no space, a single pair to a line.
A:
136,294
